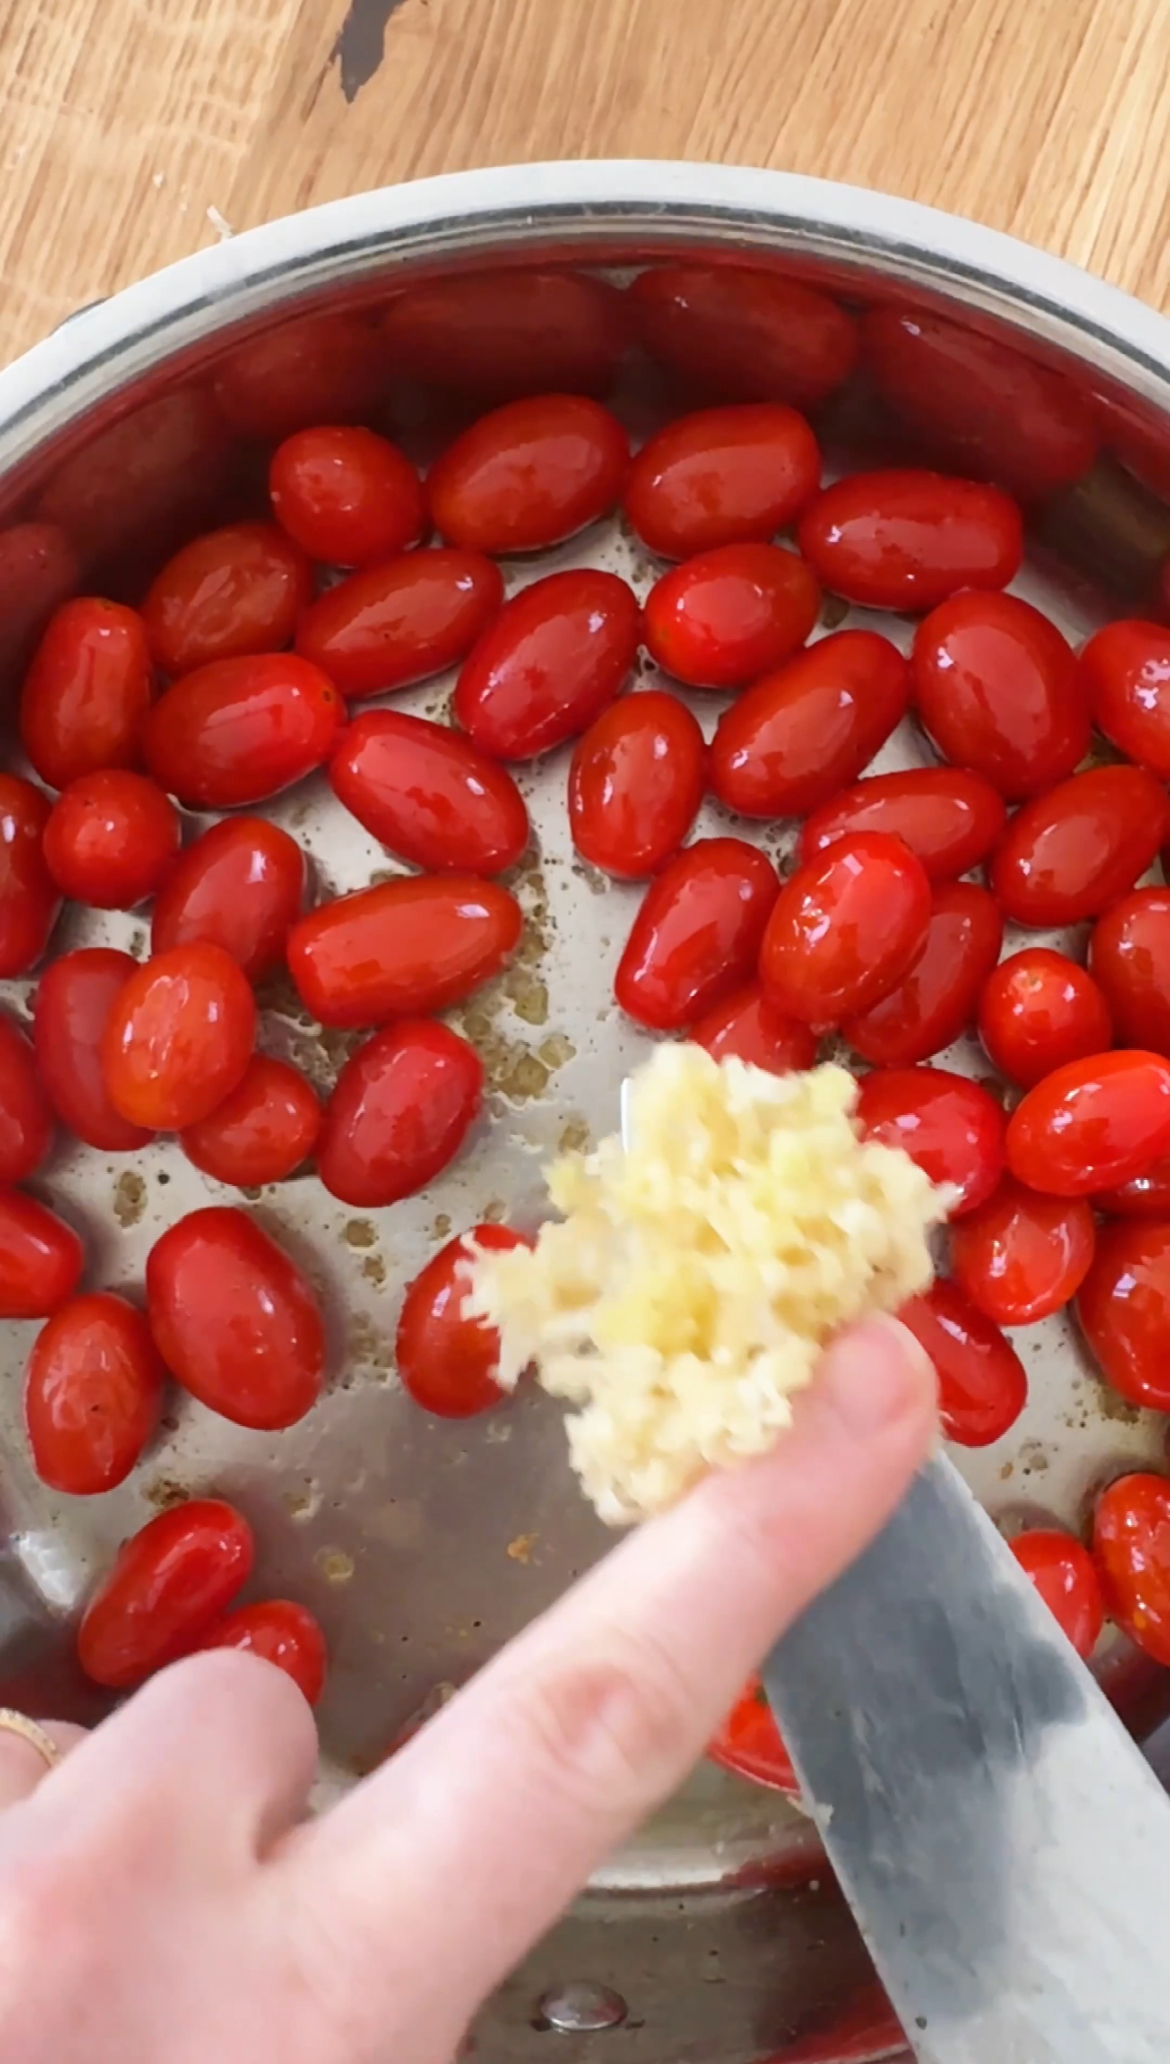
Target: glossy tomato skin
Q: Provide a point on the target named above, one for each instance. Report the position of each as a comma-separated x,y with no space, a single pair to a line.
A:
29,897
1039,1010
279,1632
507,331
948,1124
635,784
345,495
950,819
449,1363
85,696
909,540
722,476
999,691
696,938
240,886
26,1121
240,730
1021,1256
403,1106
111,839
92,1395
401,949
936,1001
555,657
1145,1196
736,334
750,1028
1092,1125
1129,954
1065,1575
749,1743
75,998
314,369
1069,854
1131,1547
227,594
982,1387
794,739
391,625
265,1128
429,794
1125,671
168,1583
1124,1309
845,928
41,1258
728,615
178,1038
235,1320
529,474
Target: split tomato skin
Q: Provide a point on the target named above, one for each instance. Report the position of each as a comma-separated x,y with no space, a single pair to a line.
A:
1092,1125
346,496
238,731
389,626
949,818
92,1396
556,656
29,897
1020,1256
845,928
1124,1310
239,886
26,1119
794,739
910,539
449,1363
401,1110
1068,854
936,1000
229,593
529,474
697,935
75,1000
1038,1011
982,1387
635,784
1125,671
1063,1572
402,949
280,1632
729,615
722,476
167,1585
749,1028
1131,1547
179,1038
998,689
1129,956
264,1130
952,1127
429,794
111,839
86,694
41,1258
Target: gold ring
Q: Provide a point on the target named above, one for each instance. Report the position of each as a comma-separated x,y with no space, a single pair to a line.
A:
18,1723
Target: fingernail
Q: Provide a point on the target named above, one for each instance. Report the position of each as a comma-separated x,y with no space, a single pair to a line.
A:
875,1374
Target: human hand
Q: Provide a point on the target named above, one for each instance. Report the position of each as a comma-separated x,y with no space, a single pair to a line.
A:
163,1900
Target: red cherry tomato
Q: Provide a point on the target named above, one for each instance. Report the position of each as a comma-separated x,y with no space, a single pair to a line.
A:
1092,1125
1129,953
529,474
908,540
239,886
845,928
75,997
949,819
696,937
728,615
554,658
449,1364
41,1258
281,1633
1021,1256
111,839
178,1038
398,623
85,696
750,1028
1067,855
39,570
225,595
429,794
402,949
749,1743
169,1582
1143,1196
998,689
949,1125
1131,1544
1064,1574
29,897
263,1130
346,496
92,1395
795,738
982,1387
240,730
1037,1011
1125,672
26,1122
234,1319
312,369
935,1002
1124,1310
403,1106
635,784
721,477
146,480
743,335
507,332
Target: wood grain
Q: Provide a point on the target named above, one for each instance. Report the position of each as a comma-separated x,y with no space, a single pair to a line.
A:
126,121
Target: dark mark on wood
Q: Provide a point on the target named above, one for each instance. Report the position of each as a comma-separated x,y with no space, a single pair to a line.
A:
361,43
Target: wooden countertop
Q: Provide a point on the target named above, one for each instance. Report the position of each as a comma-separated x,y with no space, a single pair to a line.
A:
135,131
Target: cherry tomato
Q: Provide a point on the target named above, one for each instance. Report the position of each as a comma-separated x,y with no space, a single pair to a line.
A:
403,1106
635,784
998,689
399,623
1124,1309
1125,672
281,1633
795,738
92,1395
935,1002
401,949
1021,1256
908,540
722,477
948,1124
449,1364
263,1130
146,480
752,1029
225,595
75,997
507,332
111,839
721,619
1037,1011
743,335
529,474
982,1387
312,369
29,897
696,937
1092,1124
39,570
235,1320
1129,953
749,1743
85,696
845,928
554,658
429,794
1065,1575
239,886
168,1584
240,730
41,1258
26,1122
346,495
179,1037
949,819
1067,855
1131,1544
1143,1196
